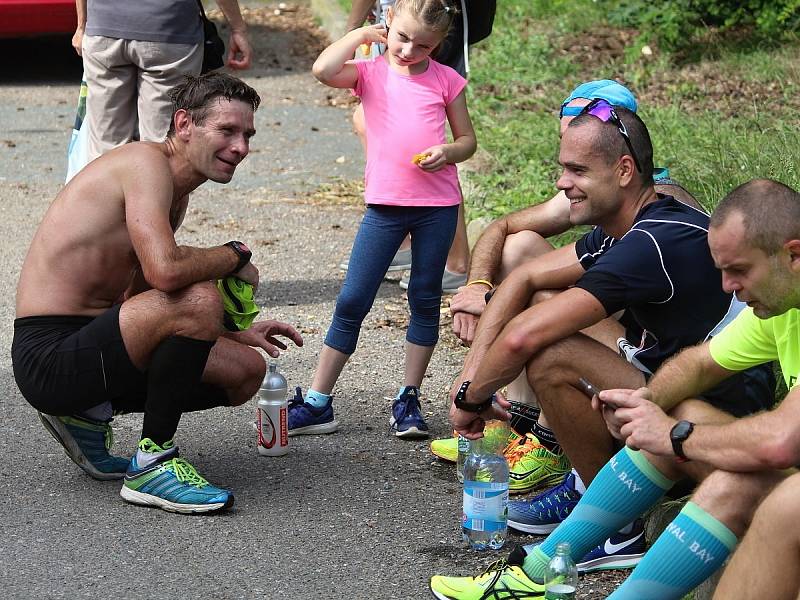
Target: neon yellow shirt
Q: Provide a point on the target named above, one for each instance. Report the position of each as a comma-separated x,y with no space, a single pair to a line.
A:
750,341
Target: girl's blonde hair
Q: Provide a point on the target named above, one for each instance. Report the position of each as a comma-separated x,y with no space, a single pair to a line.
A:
435,14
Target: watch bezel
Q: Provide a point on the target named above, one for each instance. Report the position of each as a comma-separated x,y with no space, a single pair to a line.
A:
679,433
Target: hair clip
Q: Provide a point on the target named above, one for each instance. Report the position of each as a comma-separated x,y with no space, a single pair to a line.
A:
447,8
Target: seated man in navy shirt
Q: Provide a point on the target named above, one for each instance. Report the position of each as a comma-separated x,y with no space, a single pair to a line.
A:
647,256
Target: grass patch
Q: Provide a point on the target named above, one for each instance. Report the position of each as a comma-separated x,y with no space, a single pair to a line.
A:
717,119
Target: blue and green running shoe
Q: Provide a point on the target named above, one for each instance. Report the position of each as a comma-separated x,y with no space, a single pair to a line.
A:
87,443
544,512
171,483
502,580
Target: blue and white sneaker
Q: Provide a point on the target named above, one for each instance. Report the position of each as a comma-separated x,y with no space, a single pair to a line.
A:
544,512
307,419
620,551
171,483
406,420
87,443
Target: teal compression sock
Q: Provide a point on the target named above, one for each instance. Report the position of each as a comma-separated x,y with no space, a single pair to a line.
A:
317,399
691,548
623,489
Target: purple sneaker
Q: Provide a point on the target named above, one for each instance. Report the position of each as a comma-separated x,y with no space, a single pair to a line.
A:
307,419
406,420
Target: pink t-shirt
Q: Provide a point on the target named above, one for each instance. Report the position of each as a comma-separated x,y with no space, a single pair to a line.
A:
404,116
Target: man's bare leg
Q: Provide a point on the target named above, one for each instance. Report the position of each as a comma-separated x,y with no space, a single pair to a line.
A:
194,312
699,539
765,564
553,375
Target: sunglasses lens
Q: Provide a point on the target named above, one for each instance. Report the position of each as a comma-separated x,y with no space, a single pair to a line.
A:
602,111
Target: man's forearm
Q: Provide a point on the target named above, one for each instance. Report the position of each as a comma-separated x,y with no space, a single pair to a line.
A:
358,13
508,302
80,9
230,8
190,265
684,376
756,443
487,256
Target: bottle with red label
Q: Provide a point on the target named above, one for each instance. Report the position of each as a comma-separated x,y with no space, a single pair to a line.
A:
273,426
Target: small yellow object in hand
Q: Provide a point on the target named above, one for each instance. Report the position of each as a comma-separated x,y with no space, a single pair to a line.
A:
418,158
366,49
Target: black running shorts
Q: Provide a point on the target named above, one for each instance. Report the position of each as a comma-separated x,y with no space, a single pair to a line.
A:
67,364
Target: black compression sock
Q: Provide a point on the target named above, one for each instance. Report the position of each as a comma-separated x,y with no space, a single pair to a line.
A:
523,417
173,375
546,437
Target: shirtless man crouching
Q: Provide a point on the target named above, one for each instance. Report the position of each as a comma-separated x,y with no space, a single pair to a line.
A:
113,315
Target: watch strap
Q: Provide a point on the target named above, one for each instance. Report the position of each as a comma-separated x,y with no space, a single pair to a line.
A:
242,251
461,403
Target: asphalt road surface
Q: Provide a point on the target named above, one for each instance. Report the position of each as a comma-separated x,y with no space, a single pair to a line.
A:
357,514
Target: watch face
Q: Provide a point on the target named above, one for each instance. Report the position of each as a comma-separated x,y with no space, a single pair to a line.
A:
682,429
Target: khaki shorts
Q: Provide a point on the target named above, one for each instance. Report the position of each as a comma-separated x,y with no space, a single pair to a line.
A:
127,84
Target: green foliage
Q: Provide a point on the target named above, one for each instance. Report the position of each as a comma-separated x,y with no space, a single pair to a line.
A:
716,123
676,23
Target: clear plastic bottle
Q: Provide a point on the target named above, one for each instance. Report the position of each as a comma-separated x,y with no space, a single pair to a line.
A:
485,516
463,451
561,575
271,413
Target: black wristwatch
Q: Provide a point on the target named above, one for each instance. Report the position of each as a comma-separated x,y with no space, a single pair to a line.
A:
679,433
462,404
243,252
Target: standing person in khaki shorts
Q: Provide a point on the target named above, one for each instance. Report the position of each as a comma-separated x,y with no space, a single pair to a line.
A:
133,52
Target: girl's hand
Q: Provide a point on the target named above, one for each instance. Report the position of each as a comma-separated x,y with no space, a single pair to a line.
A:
374,33
437,159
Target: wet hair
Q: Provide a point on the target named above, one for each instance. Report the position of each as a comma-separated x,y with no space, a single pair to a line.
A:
610,144
437,15
196,95
770,213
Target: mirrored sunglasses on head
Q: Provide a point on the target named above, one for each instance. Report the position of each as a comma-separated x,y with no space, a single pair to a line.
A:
605,111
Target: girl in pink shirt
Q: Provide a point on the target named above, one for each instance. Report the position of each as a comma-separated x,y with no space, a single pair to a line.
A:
411,187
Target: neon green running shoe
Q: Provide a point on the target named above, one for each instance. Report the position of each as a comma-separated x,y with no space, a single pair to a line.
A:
532,466
446,449
171,483
502,580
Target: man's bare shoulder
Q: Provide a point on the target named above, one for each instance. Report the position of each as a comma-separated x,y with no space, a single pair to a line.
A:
136,155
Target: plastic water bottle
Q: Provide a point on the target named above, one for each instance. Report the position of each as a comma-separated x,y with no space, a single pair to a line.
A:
273,425
485,516
561,575
463,451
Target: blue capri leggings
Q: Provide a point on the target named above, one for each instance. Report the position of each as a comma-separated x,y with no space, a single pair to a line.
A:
379,236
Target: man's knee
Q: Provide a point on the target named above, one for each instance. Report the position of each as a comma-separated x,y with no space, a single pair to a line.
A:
201,302
781,505
251,370
700,411
733,497
550,366
522,247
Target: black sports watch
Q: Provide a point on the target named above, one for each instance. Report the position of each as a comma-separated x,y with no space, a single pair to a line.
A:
462,404
679,433
242,251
